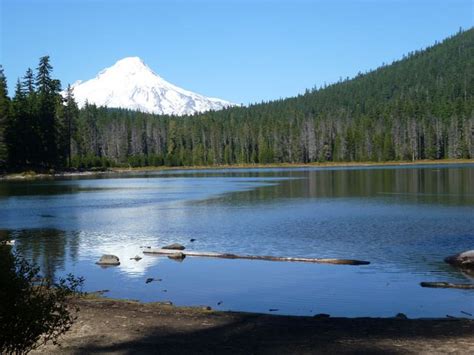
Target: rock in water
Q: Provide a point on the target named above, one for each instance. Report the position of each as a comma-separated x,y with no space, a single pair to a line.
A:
108,260
151,279
321,315
174,246
177,256
463,260
401,316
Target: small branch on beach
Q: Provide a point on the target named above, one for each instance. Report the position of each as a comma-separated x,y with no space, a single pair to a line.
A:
447,285
166,252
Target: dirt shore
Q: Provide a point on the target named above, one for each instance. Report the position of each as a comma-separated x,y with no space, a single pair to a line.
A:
30,175
125,327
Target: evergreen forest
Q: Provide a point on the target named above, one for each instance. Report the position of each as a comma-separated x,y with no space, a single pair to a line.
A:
418,107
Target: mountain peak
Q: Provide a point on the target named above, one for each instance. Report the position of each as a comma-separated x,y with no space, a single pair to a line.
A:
131,63
128,66
131,84
133,60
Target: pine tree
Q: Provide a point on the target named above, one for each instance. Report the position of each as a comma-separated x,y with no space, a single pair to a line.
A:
4,118
48,97
29,82
70,116
17,152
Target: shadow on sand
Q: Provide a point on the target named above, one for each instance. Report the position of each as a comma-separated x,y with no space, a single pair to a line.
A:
132,328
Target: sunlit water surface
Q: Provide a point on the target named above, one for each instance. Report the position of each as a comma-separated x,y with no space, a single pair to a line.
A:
404,220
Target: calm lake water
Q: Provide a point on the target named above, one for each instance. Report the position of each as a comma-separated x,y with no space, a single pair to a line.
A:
404,220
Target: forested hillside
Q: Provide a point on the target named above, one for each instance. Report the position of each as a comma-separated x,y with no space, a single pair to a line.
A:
420,107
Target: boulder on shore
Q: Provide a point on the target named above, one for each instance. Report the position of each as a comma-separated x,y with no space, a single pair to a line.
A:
174,246
464,260
108,260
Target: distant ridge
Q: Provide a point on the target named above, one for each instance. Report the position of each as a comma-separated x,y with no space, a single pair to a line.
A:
417,108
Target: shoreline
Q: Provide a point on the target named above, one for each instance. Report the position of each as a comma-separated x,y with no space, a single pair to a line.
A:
29,175
123,326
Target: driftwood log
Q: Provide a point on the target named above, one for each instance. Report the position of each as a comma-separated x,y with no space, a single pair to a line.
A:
447,285
166,252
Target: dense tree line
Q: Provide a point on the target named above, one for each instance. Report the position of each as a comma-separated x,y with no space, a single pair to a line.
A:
420,107
35,124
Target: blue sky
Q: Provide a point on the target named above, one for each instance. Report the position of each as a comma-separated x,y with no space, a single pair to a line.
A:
243,51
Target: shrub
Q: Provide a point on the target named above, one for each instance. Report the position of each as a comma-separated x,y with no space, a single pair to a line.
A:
33,311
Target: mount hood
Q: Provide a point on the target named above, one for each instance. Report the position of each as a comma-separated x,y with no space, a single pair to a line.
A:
131,84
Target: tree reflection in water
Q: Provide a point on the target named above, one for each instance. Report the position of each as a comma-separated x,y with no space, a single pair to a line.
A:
47,248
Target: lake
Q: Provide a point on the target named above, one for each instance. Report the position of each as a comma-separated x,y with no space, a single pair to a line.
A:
403,219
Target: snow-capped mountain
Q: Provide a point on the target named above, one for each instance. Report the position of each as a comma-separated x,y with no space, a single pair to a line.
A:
131,84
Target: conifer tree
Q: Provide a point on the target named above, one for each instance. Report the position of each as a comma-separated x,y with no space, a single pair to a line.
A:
29,82
70,114
28,122
47,90
17,153
4,117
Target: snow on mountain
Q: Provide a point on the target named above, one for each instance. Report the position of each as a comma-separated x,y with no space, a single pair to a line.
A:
131,84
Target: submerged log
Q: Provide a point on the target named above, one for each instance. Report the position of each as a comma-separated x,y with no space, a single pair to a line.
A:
447,285
168,252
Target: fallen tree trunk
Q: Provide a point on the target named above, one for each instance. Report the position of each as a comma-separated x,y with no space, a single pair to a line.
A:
166,252
447,285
